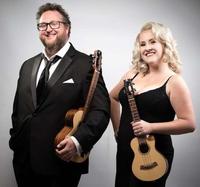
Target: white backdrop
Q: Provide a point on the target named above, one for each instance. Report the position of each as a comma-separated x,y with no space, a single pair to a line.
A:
111,26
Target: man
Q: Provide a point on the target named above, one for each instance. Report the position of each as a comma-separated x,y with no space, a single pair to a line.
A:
39,107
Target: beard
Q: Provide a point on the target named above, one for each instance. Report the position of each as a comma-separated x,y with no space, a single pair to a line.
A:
53,47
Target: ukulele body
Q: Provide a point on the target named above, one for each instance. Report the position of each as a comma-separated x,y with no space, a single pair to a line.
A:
72,120
148,163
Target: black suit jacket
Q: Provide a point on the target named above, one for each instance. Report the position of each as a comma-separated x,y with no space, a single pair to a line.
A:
35,127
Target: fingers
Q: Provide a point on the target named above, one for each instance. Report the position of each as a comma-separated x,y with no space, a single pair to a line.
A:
138,132
66,149
137,128
61,145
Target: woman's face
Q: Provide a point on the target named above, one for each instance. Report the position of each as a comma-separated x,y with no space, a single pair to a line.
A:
151,50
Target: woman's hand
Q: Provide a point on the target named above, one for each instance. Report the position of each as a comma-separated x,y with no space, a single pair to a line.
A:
141,128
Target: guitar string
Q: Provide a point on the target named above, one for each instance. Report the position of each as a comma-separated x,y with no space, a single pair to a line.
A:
146,157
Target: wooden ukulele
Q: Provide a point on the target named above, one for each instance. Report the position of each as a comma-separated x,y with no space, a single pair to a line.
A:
148,164
74,117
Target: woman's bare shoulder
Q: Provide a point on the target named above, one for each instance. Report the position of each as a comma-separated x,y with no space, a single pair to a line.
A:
129,74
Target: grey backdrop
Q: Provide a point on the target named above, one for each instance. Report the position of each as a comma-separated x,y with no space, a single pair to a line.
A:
111,26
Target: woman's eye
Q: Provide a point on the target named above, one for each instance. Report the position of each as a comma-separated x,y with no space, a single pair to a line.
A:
142,44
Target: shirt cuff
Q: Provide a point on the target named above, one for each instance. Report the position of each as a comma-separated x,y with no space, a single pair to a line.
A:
78,146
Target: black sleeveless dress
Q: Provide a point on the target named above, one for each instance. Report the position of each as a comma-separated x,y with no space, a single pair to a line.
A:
153,106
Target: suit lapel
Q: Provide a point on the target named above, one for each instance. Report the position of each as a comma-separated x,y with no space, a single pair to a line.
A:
36,64
61,68
63,65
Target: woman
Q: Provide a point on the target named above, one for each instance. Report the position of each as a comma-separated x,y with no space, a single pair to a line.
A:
160,95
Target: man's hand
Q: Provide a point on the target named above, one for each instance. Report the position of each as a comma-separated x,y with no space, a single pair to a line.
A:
66,149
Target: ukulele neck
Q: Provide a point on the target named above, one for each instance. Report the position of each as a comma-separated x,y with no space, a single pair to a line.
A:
135,115
91,92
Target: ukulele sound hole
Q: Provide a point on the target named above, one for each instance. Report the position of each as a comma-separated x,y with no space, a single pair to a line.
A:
144,148
148,166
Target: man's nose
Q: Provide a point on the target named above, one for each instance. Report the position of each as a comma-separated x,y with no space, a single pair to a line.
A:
49,28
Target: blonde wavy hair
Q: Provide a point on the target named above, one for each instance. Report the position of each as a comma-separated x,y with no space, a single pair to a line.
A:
170,53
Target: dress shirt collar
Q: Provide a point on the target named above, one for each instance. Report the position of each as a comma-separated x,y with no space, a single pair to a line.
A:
60,53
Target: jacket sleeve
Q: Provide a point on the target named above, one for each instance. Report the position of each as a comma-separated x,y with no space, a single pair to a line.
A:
97,118
19,129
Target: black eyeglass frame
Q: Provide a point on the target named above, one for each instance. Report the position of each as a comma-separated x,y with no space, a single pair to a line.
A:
43,26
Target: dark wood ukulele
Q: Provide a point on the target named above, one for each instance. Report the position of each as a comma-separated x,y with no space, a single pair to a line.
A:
74,117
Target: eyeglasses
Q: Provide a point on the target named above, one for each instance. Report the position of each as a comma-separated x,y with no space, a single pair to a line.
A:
52,24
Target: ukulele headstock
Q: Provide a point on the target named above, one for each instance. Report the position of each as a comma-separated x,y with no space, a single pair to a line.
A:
129,89
97,57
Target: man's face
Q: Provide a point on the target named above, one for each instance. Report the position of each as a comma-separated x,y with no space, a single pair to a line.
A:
53,38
